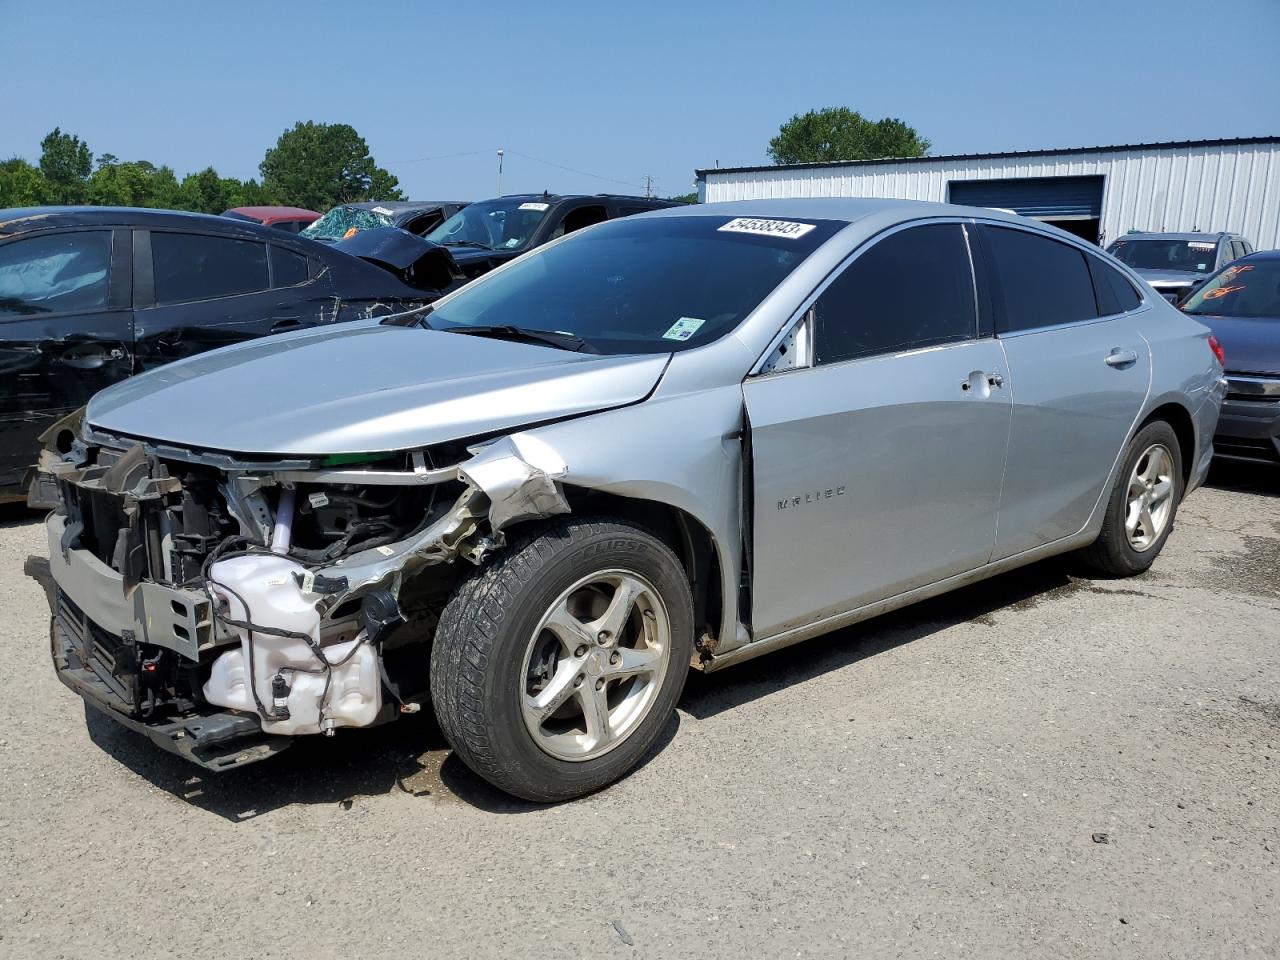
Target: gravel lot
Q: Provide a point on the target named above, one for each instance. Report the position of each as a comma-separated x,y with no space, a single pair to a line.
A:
1040,765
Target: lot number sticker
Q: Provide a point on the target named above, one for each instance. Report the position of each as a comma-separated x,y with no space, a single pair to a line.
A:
786,229
534,206
683,329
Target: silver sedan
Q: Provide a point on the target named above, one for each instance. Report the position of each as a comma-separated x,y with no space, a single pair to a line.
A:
679,439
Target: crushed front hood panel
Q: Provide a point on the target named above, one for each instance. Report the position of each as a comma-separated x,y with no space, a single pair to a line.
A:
363,388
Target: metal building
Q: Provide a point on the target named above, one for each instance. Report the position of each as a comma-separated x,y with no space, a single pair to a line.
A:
1099,193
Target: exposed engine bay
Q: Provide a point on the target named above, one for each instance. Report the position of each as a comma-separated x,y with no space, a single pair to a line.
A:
216,604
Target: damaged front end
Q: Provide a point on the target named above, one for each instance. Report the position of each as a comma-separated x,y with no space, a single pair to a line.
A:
221,605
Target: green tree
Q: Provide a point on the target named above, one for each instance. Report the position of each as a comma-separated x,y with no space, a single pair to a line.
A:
66,163
838,133
319,165
21,184
686,197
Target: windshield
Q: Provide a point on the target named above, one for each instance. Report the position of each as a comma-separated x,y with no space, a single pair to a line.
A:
505,224
641,285
342,222
1241,290
1187,256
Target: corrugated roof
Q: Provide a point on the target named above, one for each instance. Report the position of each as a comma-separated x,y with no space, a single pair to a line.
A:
1068,151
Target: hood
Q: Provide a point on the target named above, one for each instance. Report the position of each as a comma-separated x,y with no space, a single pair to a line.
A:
1252,345
365,388
1171,276
417,262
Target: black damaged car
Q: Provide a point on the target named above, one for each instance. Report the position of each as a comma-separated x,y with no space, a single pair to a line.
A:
487,234
92,295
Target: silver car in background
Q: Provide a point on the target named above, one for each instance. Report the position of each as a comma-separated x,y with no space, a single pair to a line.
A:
679,439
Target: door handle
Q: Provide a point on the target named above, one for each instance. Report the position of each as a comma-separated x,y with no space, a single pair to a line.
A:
978,377
1121,358
90,358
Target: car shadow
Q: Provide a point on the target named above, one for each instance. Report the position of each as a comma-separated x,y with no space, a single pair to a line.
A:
1260,479
16,514
706,695
410,756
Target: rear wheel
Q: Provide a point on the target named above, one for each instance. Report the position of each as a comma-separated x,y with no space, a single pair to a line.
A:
556,666
1142,507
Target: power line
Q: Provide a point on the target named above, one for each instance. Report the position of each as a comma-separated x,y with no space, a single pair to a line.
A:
582,173
517,153
443,156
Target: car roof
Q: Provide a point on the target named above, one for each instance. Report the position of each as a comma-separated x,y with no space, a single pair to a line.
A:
265,212
657,203
845,209
1206,237
20,218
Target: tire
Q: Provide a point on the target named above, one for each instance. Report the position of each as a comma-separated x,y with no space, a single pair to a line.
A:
496,669
1117,552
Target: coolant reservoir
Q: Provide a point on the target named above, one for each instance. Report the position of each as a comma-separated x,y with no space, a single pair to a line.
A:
267,585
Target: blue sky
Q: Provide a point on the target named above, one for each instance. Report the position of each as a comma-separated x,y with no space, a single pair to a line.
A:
617,91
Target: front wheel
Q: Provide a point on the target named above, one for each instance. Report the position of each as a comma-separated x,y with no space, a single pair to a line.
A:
556,666
1142,506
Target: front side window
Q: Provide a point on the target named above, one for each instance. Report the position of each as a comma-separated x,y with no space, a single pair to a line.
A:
640,285
189,266
1041,282
1184,256
1250,289
910,290
58,273
504,224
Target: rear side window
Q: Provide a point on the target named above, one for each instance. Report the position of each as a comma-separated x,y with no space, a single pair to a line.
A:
912,289
1040,282
288,269
1238,249
190,267
59,273
1115,293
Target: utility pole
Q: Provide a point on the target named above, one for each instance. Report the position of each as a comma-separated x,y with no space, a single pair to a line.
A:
500,153
648,185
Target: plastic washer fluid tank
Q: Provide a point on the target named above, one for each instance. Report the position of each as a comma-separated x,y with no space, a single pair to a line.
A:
269,587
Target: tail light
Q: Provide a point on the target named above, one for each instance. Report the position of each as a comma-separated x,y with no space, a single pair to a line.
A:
1216,346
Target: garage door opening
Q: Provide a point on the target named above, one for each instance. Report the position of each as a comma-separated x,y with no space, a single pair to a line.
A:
1072,203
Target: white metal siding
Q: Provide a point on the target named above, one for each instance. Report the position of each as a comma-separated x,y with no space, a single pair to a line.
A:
1227,187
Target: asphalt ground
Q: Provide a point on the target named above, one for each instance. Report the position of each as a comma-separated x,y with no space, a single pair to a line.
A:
1039,765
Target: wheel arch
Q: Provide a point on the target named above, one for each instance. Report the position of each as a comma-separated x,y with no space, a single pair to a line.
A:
1183,424
692,541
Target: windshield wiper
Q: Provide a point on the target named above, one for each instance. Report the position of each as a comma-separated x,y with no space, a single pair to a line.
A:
466,243
549,338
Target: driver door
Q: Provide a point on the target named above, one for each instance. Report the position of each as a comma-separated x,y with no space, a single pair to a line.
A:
877,466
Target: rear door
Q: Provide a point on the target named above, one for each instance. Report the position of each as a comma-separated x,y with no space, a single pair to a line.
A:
1079,375
195,292
877,466
65,332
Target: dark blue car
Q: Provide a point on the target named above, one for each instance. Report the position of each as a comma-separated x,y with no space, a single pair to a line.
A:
1241,305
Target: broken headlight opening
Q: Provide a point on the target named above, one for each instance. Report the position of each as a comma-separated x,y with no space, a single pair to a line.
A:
216,603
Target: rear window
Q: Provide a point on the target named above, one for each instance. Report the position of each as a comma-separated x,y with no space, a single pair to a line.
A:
191,266
1042,282
636,285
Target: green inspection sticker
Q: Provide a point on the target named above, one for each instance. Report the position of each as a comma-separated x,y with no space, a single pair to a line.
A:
683,329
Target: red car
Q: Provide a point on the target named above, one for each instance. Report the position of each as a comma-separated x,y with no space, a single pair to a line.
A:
291,219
